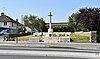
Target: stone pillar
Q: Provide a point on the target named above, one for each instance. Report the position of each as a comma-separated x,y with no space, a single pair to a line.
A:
93,37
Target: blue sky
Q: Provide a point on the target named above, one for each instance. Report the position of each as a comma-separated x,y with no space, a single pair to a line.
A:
61,9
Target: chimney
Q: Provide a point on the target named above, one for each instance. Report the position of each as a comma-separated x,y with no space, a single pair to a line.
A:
2,14
17,22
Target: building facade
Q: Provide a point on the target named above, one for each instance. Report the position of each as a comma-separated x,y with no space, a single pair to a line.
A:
7,23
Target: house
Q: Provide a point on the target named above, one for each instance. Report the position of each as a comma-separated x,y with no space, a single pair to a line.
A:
7,23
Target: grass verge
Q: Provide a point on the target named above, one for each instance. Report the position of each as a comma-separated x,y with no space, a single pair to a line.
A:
79,39
24,38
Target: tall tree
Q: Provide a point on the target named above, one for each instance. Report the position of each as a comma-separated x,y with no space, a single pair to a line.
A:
89,18
71,23
34,22
42,24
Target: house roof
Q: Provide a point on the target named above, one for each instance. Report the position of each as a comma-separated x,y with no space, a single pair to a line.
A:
5,18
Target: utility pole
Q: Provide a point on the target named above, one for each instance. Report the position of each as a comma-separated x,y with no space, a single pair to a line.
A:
16,31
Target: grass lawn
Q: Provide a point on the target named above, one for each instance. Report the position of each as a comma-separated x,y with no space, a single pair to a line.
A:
24,38
80,39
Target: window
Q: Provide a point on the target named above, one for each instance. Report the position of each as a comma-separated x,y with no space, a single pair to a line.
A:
5,23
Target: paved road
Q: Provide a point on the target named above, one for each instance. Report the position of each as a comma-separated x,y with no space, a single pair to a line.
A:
43,44
36,57
28,48
26,52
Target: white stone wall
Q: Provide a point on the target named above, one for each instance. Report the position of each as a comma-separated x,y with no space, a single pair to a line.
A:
62,33
56,33
91,34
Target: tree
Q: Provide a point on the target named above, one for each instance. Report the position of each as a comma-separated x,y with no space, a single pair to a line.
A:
34,22
41,24
71,23
89,18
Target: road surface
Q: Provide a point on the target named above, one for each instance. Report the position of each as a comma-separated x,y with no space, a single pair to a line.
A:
27,52
37,57
67,49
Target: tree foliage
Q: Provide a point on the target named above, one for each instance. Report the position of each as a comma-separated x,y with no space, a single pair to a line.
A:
89,18
86,19
71,23
34,22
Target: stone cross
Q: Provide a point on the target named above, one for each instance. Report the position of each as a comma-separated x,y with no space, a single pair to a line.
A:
50,21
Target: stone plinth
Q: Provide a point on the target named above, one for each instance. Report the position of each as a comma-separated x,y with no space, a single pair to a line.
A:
50,32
